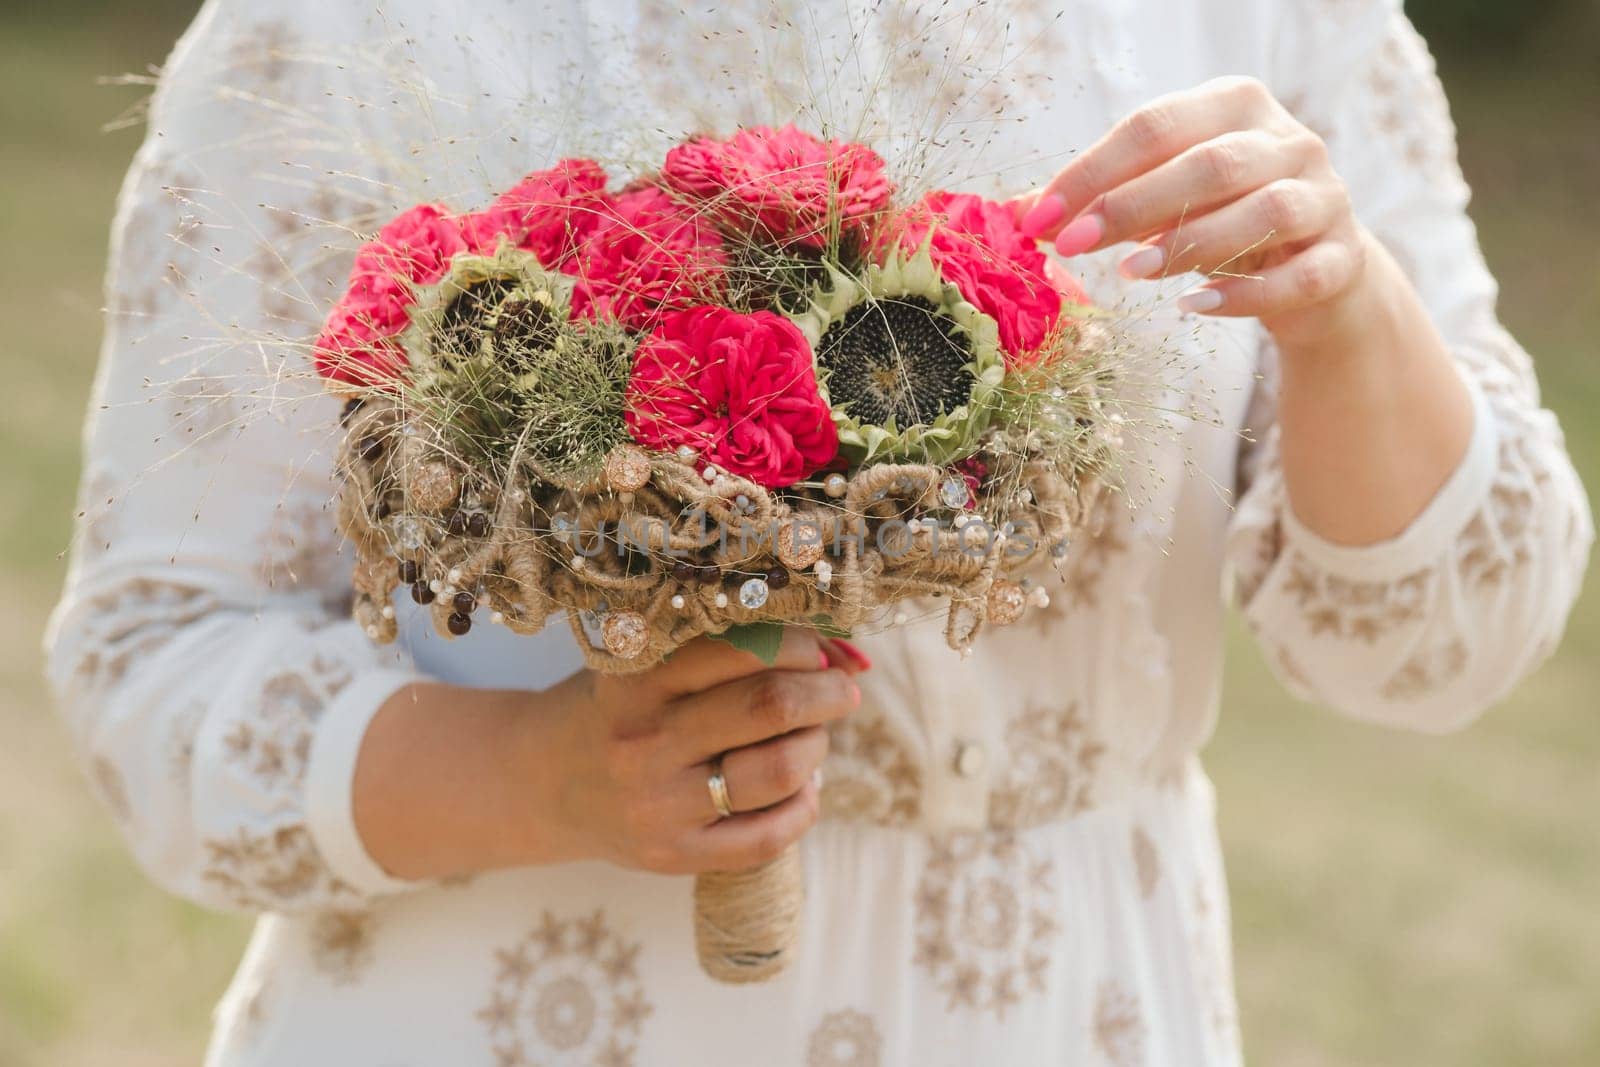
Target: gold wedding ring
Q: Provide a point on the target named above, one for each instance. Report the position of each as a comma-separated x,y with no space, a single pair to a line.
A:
718,787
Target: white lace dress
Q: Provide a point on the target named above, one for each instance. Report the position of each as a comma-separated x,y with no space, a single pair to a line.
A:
1019,863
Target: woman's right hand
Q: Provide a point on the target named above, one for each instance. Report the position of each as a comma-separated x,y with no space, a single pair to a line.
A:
636,753
454,781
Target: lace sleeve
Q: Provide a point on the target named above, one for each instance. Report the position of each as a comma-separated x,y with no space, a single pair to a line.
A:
1429,629
216,697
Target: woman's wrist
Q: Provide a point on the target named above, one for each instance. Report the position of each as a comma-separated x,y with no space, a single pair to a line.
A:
1373,412
452,781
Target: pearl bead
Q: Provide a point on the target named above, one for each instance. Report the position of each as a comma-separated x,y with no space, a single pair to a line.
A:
372,632
686,453
453,576
577,563
835,485
678,602
901,618
436,587
722,600
710,473
388,611
497,617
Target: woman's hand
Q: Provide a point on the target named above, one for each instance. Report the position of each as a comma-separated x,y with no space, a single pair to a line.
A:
637,752
1373,413
455,781
1222,180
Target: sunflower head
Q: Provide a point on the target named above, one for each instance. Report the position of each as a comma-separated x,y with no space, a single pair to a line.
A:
504,309
509,375
909,367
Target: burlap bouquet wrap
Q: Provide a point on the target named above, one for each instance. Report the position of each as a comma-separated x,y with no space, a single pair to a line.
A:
649,555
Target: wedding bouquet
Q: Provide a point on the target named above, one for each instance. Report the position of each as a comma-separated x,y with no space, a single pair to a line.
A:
755,388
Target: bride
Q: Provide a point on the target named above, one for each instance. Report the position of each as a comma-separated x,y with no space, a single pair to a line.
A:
473,852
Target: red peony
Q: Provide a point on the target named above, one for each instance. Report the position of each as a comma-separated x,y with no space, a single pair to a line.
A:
978,248
550,212
649,254
739,389
784,184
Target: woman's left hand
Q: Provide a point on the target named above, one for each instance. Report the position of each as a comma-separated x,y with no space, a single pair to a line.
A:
1222,180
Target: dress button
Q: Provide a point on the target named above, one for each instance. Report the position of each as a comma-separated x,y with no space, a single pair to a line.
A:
970,759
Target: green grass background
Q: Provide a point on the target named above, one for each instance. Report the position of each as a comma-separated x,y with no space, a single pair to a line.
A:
1398,900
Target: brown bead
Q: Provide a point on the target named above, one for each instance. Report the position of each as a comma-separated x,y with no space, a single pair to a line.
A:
457,523
458,623
683,571
351,406
465,603
408,570
421,593
777,578
708,575
370,449
478,524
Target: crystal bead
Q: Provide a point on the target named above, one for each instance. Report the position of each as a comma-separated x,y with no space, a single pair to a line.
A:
753,594
408,533
953,492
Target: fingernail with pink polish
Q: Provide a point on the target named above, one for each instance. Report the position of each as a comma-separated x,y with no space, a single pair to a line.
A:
1200,301
1081,235
1144,263
1046,212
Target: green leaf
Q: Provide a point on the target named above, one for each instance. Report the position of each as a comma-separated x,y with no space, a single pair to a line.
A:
823,624
760,639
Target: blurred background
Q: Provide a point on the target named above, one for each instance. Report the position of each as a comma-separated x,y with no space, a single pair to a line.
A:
1397,899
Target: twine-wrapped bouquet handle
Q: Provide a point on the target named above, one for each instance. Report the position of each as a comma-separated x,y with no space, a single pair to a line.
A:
747,923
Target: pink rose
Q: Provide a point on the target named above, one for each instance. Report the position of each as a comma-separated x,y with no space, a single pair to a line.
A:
550,212
978,248
648,255
783,184
415,246
740,389
357,346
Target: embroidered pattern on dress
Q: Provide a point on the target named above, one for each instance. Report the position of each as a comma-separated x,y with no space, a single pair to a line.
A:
869,773
342,944
1118,1027
1210,954
986,921
1146,862
268,868
131,623
300,548
1050,769
1426,672
1364,611
570,989
264,870
844,1039
160,236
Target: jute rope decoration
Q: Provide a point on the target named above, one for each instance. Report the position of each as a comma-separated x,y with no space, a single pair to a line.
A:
653,555
657,419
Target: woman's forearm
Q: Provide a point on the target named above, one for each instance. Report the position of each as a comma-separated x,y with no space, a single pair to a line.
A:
447,782
453,781
1373,412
